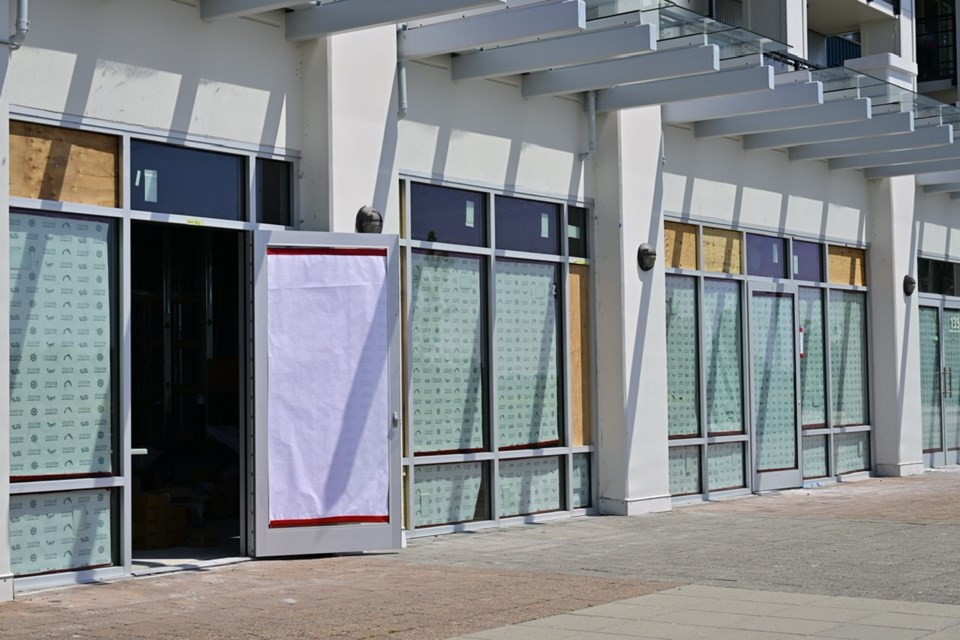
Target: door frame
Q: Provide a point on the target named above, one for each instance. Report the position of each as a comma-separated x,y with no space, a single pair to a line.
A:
782,478
943,456
262,541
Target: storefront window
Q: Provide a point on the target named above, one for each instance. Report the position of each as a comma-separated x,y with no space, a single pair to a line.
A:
807,261
453,216
682,366
447,358
62,347
723,358
528,225
766,256
848,357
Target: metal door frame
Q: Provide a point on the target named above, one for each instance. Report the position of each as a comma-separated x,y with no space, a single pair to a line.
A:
785,478
340,538
943,456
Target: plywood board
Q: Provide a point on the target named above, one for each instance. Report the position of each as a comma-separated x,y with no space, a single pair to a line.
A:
722,250
680,245
581,400
54,163
847,266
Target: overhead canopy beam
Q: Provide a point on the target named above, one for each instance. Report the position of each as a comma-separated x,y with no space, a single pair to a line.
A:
676,89
350,15
788,97
933,143
222,9
808,137
942,177
581,48
901,138
541,20
600,75
807,116
942,188
913,168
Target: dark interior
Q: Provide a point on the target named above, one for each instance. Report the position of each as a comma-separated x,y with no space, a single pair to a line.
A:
187,381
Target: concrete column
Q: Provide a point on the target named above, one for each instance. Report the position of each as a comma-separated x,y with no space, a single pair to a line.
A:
631,309
6,578
895,324
350,130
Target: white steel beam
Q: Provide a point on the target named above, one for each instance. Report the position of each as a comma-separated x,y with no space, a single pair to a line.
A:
350,15
955,196
931,143
872,144
829,135
551,53
526,22
913,168
676,89
809,116
942,188
221,9
642,68
788,97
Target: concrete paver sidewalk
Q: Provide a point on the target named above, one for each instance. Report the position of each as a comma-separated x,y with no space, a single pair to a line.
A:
868,560
696,612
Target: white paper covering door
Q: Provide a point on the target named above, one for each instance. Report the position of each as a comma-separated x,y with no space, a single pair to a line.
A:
328,411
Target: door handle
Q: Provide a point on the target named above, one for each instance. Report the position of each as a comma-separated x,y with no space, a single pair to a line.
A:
949,389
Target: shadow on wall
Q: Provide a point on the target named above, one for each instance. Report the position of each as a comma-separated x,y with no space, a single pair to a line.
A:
159,66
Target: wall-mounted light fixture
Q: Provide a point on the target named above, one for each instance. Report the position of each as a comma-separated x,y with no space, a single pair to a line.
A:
369,220
909,285
646,256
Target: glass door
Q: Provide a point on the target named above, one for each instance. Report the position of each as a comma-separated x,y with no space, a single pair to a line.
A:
774,354
939,387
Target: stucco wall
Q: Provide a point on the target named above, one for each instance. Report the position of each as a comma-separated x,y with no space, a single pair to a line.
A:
714,180
937,220
484,132
155,64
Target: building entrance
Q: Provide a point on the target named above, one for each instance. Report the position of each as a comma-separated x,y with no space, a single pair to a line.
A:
187,378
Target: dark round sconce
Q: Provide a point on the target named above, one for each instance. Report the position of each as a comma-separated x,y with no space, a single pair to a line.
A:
646,256
909,285
369,220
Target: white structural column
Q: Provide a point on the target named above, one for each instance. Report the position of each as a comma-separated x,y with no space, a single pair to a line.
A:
6,578
631,323
350,130
895,324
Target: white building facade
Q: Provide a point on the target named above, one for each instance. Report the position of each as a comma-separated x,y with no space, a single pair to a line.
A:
631,256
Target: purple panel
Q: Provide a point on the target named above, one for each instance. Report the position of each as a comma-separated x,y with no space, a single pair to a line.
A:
441,214
807,261
528,225
766,256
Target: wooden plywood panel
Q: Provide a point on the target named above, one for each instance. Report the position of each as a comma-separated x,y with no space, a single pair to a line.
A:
680,245
848,266
53,163
581,400
722,250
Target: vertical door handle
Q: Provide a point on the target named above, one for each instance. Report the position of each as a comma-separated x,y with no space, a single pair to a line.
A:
949,382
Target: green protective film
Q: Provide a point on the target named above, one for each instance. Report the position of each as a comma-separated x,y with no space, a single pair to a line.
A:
951,360
530,485
723,362
580,483
682,368
848,357
814,456
851,451
813,384
446,317
725,466
774,381
61,373
526,346
449,493
930,378
60,531
684,470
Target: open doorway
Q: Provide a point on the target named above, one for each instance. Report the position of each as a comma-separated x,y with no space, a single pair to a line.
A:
187,382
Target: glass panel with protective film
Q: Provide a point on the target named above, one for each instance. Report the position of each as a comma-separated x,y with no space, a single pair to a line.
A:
951,377
722,357
848,357
682,368
813,382
930,379
774,380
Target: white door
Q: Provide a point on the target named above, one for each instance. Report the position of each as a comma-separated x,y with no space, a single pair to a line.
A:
326,434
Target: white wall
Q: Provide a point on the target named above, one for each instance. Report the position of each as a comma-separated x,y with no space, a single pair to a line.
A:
154,63
715,180
938,225
485,132
6,578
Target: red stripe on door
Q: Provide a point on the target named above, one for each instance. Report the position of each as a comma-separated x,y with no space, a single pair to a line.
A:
319,522
323,251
